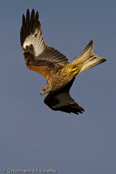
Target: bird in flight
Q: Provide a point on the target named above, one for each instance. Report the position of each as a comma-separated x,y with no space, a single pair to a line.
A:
59,72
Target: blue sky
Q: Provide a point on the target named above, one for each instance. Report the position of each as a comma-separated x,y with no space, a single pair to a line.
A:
31,135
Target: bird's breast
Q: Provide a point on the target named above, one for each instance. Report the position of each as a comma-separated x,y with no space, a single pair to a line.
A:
60,78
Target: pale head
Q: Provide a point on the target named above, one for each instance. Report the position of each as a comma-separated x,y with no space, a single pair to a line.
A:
46,89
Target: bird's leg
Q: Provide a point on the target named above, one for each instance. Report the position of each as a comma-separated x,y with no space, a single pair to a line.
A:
75,70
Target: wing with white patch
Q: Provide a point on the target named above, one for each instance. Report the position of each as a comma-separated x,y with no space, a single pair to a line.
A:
62,101
34,46
31,35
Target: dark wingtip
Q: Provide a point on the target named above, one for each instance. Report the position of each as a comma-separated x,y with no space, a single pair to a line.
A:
27,14
91,43
78,110
75,109
29,24
27,11
33,11
23,20
104,59
37,14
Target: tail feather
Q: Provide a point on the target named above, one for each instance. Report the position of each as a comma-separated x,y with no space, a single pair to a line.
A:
87,59
94,60
85,54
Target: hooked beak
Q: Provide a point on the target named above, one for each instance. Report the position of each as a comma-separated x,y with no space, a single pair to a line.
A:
42,93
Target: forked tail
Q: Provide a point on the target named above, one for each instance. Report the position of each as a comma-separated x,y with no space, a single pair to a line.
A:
87,59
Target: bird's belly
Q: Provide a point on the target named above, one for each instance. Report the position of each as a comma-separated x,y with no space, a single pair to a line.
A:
61,79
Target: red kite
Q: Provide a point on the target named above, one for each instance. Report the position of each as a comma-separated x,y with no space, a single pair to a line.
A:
53,65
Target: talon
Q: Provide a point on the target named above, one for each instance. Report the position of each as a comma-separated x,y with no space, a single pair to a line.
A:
76,72
74,69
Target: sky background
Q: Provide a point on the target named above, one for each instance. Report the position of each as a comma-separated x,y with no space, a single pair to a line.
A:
32,136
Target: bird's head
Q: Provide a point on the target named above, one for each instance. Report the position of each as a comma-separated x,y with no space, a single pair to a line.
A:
46,89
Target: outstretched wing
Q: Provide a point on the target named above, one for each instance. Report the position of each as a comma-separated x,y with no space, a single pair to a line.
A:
62,100
38,55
